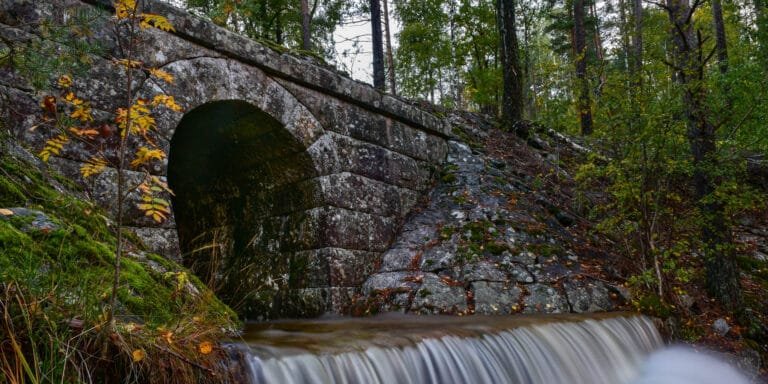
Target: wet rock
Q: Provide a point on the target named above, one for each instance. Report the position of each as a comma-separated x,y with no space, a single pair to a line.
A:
483,271
550,273
749,362
520,274
494,298
524,258
721,327
544,299
159,240
397,259
587,296
439,257
31,220
436,296
389,281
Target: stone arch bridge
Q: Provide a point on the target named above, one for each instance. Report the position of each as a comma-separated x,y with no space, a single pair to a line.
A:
290,179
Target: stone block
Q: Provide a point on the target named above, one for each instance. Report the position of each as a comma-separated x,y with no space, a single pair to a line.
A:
334,267
436,296
494,298
359,193
587,296
335,153
544,299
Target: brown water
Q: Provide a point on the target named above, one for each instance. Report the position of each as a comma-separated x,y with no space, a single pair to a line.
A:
606,348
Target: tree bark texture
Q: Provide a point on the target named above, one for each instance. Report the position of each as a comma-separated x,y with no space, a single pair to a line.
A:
306,40
390,54
512,98
378,46
637,43
584,103
720,42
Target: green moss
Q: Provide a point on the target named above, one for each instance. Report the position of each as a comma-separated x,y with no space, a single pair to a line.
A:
460,199
448,174
496,248
447,231
477,231
10,194
458,132
73,265
546,249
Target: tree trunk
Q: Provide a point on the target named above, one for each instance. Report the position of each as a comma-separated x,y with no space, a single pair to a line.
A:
378,46
306,41
278,29
530,76
512,99
598,50
625,36
584,103
720,42
720,258
390,54
637,43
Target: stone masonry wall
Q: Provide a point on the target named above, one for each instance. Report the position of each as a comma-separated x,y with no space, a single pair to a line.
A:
372,155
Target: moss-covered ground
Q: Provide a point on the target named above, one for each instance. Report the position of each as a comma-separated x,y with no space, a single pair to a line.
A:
55,285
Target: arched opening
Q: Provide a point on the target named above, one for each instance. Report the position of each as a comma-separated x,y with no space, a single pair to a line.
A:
242,183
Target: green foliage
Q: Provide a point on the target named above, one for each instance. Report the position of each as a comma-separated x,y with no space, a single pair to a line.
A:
447,52
277,21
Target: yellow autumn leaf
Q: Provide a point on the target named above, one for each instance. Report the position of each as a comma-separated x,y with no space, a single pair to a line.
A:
144,155
82,112
125,8
84,132
93,166
168,336
161,186
162,75
205,347
6,212
141,121
53,146
128,63
149,20
167,101
156,208
65,81
138,355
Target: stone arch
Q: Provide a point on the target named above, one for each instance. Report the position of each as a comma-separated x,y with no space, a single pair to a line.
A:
240,179
203,80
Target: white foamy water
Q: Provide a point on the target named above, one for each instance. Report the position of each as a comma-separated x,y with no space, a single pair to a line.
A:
608,350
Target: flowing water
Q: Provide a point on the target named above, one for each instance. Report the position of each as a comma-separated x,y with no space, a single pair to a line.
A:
419,349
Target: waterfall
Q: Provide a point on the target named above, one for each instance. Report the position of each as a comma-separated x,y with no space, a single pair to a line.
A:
467,350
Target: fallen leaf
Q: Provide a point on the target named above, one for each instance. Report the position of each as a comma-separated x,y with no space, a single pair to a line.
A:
6,212
205,347
168,336
138,355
